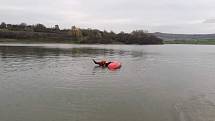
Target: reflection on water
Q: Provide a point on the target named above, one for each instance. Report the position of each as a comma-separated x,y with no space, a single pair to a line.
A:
59,82
40,52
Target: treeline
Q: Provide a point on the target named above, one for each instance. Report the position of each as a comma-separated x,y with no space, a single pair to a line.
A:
29,28
77,35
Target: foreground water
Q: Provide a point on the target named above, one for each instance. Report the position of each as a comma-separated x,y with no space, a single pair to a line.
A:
59,82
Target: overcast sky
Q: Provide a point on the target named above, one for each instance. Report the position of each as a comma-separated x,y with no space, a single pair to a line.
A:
171,16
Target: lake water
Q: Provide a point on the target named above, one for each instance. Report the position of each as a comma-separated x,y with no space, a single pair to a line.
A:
59,82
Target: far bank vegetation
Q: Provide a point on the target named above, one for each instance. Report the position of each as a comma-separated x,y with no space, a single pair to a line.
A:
41,33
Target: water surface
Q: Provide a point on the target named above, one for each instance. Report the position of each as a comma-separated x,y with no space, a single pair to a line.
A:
59,82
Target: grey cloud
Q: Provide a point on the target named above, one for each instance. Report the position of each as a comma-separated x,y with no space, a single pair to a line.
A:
209,21
154,15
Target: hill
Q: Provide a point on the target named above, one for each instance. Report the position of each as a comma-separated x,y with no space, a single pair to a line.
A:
171,37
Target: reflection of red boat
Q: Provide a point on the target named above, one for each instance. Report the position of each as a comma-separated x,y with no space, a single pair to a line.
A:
114,65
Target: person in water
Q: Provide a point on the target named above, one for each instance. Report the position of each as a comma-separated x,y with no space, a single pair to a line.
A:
102,63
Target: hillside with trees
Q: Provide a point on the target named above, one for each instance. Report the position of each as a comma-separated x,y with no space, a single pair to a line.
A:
41,33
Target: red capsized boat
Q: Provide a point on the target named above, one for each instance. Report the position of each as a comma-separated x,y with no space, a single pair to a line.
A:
114,65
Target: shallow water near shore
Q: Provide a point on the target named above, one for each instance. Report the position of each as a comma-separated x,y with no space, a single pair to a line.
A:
59,82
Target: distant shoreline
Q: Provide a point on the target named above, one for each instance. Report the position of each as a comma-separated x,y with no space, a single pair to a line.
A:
28,41
192,42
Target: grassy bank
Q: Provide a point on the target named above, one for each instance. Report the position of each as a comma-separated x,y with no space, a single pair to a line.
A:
198,42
